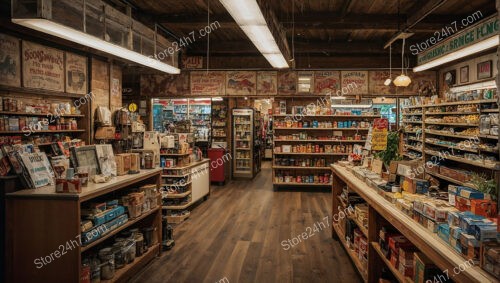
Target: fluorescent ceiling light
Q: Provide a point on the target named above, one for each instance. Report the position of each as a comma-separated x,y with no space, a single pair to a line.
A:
276,60
247,14
475,48
217,99
481,85
82,38
262,38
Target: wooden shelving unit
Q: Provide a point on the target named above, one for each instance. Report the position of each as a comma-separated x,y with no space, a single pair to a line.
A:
195,183
65,227
382,212
49,97
395,272
323,135
451,148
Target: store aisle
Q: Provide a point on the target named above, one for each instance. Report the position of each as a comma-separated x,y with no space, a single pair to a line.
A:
236,236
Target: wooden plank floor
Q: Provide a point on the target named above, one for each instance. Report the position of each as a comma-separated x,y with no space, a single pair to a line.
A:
237,234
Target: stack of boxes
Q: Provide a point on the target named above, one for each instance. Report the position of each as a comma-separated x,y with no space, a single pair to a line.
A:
398,250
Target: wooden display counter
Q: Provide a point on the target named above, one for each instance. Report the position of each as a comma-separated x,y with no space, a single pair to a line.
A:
382,211
42,223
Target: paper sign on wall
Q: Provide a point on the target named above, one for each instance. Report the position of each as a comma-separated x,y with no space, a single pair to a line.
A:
379,134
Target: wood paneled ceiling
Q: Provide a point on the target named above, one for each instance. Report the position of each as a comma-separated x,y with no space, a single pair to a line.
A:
314,28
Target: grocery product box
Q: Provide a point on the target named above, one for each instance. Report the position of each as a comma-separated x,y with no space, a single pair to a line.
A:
485,231
443,232
437,211
469,193
398,242
490,258
483,207
462,204
406,255
455,232
453,218
424,268
466,240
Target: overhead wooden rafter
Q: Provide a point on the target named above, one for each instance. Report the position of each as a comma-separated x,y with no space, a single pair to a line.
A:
317,20
418,13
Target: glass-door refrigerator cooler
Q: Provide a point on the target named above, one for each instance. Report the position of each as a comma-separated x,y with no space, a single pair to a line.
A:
243,139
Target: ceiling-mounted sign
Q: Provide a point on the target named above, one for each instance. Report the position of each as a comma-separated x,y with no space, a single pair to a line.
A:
326,82
467,37
241,83
43,67
10,65
192,62
267,83
208,83
354,82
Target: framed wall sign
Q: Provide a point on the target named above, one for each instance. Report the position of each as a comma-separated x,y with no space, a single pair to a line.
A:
484,70
464,74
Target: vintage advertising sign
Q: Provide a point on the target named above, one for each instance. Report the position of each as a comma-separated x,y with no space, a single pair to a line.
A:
354,82
241,83
267,83
379,134
76,73
287,82
208,83
192,62
326,82
165,85
467,37
376,82
10,63
43,67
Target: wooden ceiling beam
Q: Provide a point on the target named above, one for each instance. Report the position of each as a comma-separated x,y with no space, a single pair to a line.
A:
315,47
313,21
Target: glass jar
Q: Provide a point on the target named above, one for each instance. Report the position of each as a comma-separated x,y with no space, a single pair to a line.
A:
107,258
148,161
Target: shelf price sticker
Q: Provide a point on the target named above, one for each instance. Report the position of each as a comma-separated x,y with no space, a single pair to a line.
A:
379,134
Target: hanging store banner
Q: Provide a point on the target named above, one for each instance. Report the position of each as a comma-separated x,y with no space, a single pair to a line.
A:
208,83
355,82
467,37
287,82
241,83
76,73
10,63
379,134
326,82
267,83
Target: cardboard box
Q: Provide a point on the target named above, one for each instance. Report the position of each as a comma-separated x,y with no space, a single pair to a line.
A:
483,207
69,186
485,231
469,193
462,203
443,232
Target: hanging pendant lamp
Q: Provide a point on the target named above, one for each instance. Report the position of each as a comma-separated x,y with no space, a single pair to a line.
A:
402,80
389,80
